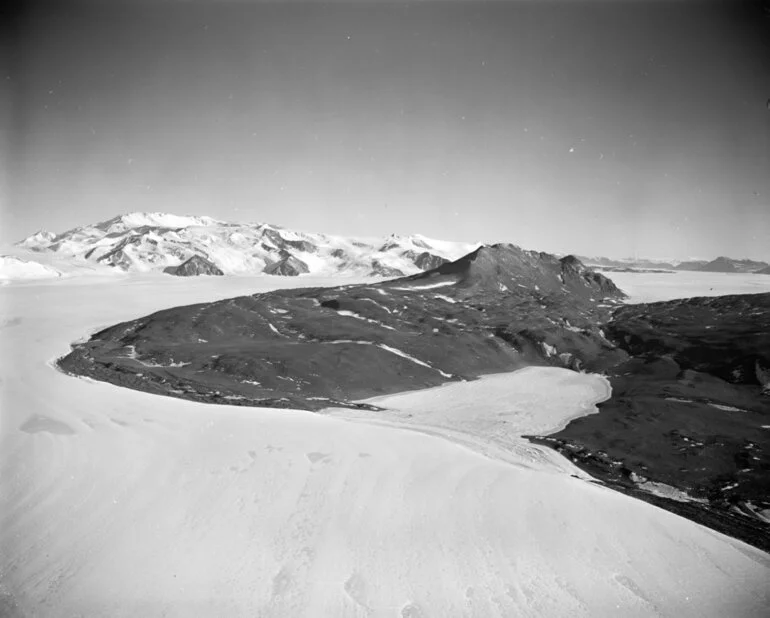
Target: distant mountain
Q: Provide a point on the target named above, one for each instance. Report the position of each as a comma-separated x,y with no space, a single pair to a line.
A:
139,242
691,265
624,263
721,264
729,265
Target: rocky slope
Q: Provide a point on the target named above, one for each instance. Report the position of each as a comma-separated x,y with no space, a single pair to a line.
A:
496,309
687,423
139,242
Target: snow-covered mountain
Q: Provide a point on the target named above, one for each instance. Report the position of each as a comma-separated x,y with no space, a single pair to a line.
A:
140,242
13,268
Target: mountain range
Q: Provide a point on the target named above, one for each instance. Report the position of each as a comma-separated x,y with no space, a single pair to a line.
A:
186,245
722,264
195,245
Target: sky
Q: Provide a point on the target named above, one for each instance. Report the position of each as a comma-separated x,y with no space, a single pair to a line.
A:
613,128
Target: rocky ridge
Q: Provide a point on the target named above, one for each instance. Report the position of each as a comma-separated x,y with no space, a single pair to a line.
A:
496,309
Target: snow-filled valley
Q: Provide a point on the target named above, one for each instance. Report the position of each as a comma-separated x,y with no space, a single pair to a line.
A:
120,503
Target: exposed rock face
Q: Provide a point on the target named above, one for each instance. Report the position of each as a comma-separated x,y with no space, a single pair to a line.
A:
428,261
382,270
309,347
287,266
688,409
193,267
724,336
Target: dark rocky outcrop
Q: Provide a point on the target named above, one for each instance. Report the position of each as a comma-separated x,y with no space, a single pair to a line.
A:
304,348
428,261
194,267
287,266
383,270
689,409
118,257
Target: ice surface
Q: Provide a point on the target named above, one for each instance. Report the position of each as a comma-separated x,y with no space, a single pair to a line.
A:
121,503
652,287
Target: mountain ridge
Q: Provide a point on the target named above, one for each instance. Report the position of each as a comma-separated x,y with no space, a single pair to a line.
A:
156,241
141,242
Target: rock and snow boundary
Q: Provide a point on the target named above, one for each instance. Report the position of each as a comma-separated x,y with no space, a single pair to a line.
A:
121,503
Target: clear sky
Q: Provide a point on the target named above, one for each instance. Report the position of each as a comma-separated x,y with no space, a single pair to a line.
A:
602,128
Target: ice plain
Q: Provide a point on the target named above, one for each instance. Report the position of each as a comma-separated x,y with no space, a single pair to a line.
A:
648,287
121,503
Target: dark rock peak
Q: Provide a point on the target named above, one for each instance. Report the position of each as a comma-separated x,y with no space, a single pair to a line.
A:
287,266
196,265
570,262
497,267
721,264
428,261
383,270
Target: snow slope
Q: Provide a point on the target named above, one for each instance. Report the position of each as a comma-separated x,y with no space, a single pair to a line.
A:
120,503
13,269
142,242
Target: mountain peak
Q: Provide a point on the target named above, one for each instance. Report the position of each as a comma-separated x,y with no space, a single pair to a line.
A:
505,267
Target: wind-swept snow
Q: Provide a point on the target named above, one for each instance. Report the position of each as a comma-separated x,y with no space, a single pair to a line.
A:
417,361
120,503
358,316
430,286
